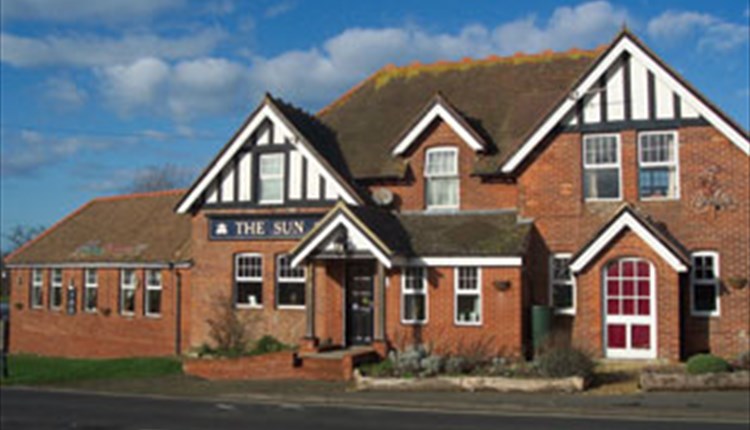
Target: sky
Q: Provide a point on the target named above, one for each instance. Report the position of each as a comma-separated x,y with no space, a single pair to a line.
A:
94,93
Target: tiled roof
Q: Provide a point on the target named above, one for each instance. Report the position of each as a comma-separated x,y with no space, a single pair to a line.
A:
136,228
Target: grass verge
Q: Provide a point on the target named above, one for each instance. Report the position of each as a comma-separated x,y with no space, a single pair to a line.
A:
36,370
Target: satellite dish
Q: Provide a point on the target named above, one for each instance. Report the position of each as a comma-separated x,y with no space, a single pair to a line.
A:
382,196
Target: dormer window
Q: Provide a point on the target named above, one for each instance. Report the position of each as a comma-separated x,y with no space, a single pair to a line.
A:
441,178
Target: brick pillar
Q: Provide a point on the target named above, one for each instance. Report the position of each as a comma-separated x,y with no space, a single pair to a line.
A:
310,342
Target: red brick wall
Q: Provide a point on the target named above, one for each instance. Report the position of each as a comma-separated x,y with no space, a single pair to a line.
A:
212,279
474,192
105,333
550,192
501,331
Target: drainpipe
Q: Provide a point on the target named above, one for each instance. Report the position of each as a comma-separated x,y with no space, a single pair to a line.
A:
177,285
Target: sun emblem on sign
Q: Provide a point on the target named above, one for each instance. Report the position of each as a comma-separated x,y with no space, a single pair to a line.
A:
221,229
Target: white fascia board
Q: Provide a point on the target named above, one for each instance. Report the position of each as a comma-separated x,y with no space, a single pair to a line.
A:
465,261
625,45
437,111
627,220
101,265
339,220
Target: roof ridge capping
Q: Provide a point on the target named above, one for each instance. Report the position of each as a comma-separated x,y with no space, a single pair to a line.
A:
391,71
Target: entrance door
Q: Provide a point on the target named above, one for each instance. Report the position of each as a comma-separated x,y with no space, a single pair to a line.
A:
359,302
629,309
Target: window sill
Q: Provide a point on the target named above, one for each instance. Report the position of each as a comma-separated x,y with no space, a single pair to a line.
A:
413,323
291,307
467,324
128,315
659,199
612,200
700,314
568,312
153,316
239,306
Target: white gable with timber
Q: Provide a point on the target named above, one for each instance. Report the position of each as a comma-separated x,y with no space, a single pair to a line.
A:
628,87
233,178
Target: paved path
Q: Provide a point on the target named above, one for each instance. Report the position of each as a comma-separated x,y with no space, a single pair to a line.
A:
42,409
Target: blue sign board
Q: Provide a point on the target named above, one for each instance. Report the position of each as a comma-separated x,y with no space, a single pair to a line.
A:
260,227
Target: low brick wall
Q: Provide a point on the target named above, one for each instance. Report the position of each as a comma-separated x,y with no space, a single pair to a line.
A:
653,381
278,365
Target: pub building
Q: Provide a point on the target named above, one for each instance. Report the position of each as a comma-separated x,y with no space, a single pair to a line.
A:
431,203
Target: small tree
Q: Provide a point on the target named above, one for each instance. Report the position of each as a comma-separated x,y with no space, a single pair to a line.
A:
20,234
158,178
230,330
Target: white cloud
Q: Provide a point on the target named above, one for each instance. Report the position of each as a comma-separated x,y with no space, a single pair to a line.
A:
315,75
93,11
28,151
279,8
713,33
90,51
182,90
64,92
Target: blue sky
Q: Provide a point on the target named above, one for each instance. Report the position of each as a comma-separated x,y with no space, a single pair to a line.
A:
94,92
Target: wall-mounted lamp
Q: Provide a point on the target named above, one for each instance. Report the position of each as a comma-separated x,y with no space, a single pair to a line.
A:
501,285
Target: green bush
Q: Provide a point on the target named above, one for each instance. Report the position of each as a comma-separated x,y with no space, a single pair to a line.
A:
267,344
381,369
565,361
707,363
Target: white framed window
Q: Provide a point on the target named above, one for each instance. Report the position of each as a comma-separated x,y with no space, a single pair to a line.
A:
414,295
562,289
658,165
152,307
128,283
271,178
90,290
704,285
248,280
290,284
601,167
441,178
55,288
37,285
468,297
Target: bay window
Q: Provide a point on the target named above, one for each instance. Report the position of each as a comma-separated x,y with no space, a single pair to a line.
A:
248,280
601,167
657,165
441,178
468,287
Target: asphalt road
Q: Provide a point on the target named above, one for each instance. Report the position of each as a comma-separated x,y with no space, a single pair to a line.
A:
38,409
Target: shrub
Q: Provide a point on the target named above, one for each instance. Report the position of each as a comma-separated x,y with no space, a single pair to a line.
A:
383,368
408,361
432,365
707,363
564,362
268,344
456,365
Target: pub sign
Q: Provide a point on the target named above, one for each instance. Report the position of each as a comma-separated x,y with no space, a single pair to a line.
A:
260,227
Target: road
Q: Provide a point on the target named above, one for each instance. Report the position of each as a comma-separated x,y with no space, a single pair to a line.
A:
39,410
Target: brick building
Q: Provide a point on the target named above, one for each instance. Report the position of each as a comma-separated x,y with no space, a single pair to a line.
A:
431,203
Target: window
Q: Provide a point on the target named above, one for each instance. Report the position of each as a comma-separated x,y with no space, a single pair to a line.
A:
414,296
468,296
55,296
601,167
90,291
153,292
561,287
705,284
36,288
128,282
248,279
441,178
271,189
290,284
657,157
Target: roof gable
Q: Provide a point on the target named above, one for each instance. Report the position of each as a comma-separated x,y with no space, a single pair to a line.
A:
626,218
626,43
440,108
268,110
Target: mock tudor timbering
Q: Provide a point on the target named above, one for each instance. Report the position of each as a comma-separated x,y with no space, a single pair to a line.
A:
430,204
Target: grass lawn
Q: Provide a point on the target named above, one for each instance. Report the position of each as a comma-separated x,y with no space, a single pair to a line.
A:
31,369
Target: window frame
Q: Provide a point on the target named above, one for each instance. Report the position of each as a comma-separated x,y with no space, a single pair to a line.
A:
90,286
123,287
289,280
585,166
552,282
429,176
457,292
410,291
237,279
54,285
148,287
715,282
651,164
37,283
279,176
